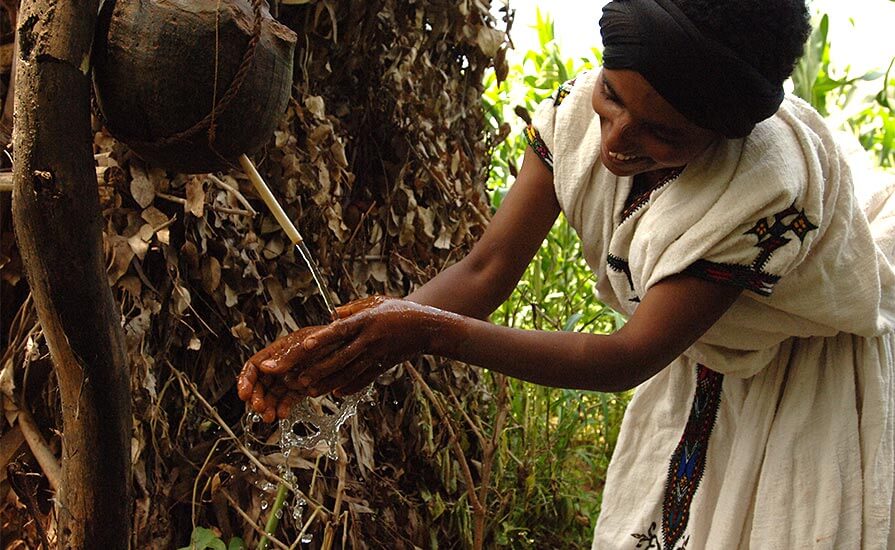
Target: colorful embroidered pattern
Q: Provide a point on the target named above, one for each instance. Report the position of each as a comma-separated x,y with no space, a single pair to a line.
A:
770,234
563,92
534,138
650,540
737,275
538,145
635,201
689,458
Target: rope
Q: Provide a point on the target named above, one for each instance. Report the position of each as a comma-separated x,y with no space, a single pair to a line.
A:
208,122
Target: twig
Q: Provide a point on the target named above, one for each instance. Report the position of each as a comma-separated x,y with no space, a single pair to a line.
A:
39,448
251,522
330,530
6,183
236,193
199,476
216,208
304,529
455,441
18,480
489,447
476,428
217,418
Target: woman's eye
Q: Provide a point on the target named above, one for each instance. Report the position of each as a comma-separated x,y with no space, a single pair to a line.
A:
663,137
607,93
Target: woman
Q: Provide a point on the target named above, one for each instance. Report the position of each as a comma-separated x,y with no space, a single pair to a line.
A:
720,217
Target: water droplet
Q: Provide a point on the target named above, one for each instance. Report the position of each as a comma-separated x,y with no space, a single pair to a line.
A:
307,538
244,468
279,513
264,505
256,418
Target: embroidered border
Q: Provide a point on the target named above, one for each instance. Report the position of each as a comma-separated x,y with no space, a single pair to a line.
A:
737,275
563,92
689,458
621,265
538,146
633,203
770,234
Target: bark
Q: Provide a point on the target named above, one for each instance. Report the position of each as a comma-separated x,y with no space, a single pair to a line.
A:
58,225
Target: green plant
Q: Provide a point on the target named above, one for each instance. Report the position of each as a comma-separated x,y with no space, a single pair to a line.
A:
206,539
875,124
553,457
813,78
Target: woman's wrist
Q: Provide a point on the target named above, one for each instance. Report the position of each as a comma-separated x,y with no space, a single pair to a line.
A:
443,331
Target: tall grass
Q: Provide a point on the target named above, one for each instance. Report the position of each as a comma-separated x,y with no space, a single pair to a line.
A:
553,457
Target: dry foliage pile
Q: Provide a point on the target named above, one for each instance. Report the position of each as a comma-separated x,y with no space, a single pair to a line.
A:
381,159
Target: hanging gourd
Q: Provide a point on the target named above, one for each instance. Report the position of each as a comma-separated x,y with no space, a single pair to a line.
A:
190,85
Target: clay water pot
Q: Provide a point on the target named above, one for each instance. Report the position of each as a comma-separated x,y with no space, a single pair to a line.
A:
189,85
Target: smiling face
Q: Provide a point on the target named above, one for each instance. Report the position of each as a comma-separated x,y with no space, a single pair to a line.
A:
641,132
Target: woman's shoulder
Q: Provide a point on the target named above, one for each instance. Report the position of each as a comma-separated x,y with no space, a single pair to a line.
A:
796,132
581,85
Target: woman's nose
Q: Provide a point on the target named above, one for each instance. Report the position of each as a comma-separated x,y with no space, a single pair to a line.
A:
619,135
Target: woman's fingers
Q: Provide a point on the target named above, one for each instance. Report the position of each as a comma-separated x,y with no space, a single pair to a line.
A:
283,354
245,383
340,359
257,402
312,345
356,306
285,406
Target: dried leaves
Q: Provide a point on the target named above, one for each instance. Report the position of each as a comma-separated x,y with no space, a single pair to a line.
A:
381,161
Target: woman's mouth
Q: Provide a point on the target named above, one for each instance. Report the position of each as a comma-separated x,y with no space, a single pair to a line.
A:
623,158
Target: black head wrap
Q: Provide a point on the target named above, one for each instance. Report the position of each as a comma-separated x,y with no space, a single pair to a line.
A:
704,80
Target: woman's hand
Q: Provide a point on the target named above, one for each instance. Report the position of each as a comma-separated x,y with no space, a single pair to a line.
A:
373,335
268,380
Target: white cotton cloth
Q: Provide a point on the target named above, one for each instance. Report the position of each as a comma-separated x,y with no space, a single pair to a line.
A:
792,443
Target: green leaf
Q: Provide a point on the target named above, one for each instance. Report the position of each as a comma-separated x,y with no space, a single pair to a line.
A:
204,539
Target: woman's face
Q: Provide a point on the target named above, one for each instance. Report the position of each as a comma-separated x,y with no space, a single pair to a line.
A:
642,132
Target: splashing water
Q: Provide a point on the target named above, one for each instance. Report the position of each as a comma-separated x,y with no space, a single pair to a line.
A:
308,424
306,428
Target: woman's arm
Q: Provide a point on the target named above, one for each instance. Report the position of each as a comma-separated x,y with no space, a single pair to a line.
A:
484,279
674,313
672,316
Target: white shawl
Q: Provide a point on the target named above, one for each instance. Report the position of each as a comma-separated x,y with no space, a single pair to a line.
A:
782,197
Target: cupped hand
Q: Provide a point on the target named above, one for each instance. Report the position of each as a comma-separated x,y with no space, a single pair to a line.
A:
375,334
268,381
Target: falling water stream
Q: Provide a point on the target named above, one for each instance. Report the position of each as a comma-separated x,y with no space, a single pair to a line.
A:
311,422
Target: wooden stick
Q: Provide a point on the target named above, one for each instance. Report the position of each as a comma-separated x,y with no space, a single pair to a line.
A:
271,201
242,200
39,448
